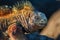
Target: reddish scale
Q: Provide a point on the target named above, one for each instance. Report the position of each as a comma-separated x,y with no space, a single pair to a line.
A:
12,28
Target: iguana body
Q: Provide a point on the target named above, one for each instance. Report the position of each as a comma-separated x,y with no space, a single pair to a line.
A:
26,16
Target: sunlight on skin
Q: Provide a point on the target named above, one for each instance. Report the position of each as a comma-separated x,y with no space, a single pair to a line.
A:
52,29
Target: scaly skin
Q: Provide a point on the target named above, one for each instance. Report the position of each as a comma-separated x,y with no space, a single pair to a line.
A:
24,16
14,16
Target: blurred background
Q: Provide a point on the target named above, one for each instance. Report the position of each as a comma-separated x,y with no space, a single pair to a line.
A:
46,6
